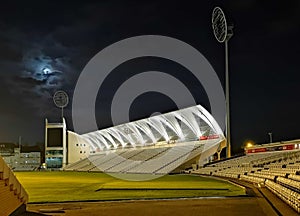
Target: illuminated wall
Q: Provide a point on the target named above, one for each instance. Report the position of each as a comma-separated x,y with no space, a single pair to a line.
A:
189,124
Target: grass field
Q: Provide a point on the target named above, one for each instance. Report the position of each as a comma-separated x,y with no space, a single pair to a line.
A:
80,186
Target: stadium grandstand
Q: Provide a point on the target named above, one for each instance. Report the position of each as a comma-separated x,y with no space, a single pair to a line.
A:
17,160
275,166
156,145
13,197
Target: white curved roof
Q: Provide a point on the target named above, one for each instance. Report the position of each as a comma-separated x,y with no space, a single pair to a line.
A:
182,125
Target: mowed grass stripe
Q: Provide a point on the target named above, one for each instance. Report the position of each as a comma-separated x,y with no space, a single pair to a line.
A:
124,189
84,186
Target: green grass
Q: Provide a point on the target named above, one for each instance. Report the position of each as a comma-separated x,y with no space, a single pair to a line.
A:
79,186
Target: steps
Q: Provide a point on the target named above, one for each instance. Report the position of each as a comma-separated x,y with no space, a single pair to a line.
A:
12,194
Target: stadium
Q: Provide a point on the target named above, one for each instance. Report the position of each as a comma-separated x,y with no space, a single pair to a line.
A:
169,156
148,60
157,145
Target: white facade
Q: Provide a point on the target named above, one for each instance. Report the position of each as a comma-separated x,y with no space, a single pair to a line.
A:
190,124
78,149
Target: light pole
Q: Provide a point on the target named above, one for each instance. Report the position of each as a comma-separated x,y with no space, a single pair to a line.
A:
270,135
228,134
20,143
223,33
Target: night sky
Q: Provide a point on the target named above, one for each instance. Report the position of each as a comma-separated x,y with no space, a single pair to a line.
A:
44,46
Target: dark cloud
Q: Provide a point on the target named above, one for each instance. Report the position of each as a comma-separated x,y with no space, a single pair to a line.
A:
28,82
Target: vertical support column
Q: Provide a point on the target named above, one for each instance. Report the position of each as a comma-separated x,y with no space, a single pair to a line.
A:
65,152
228,149
46,140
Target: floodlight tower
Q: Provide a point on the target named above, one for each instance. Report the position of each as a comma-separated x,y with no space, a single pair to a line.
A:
61,100
223,32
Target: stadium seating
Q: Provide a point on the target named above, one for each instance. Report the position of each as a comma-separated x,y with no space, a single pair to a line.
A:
147,160
12,194
278,171
289,196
